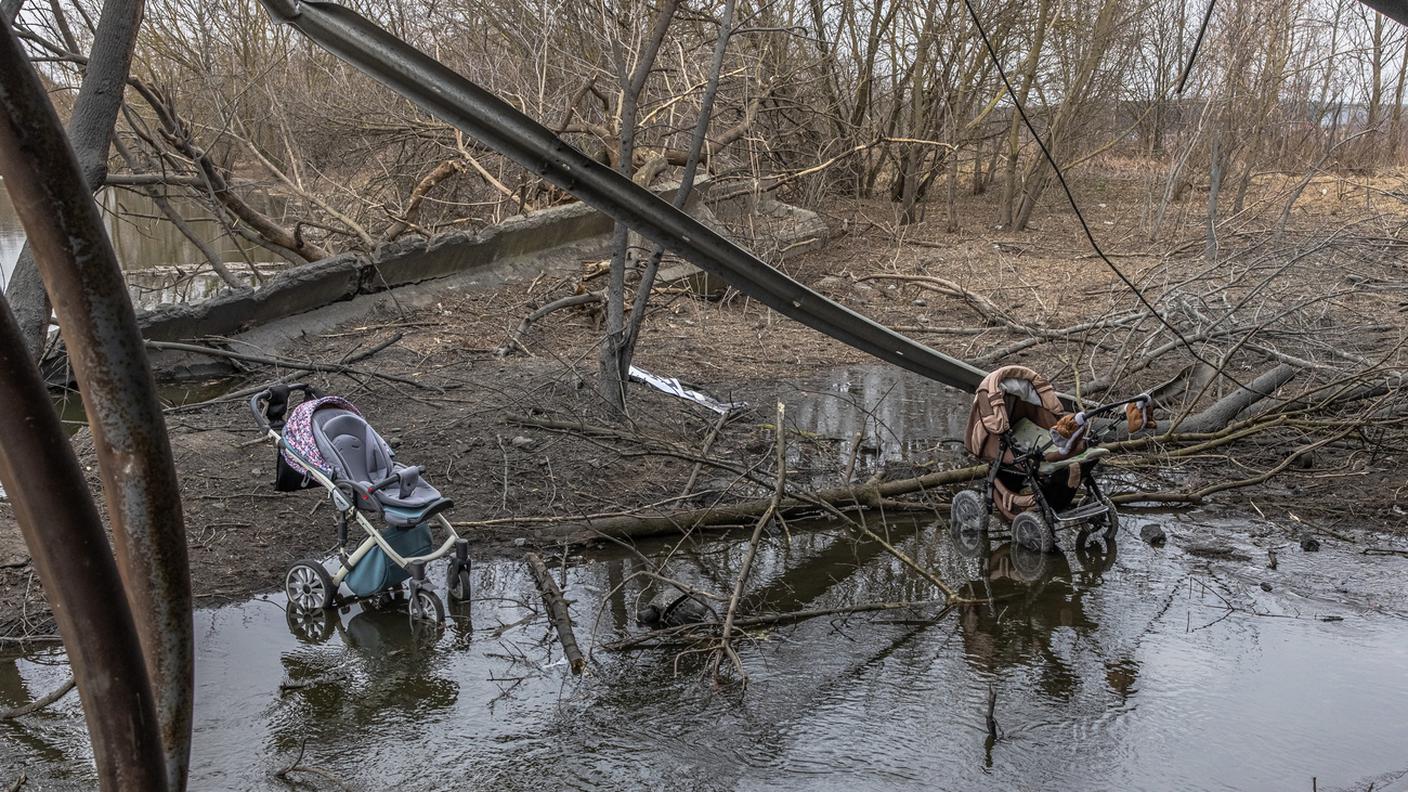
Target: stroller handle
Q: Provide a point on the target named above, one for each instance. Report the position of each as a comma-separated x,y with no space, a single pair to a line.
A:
270,405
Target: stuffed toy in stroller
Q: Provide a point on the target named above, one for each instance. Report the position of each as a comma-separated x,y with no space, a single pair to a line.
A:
325,442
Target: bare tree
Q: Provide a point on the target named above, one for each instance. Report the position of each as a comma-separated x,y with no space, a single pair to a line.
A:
90,130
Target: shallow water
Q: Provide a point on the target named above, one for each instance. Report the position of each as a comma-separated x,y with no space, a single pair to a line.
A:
1123,672
1134,669
897,416
162,264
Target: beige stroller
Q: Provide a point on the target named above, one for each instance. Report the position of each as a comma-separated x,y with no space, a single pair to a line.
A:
1041,467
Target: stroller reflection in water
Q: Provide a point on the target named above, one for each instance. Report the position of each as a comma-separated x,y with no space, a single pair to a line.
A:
388,670
1023,599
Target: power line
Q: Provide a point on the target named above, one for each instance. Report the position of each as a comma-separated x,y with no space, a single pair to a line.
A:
1066,187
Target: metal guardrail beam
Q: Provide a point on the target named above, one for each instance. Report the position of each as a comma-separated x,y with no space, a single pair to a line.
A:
446,95
61,526
99,327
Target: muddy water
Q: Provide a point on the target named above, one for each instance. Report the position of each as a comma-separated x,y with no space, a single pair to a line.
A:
163,265
886,415
1127,669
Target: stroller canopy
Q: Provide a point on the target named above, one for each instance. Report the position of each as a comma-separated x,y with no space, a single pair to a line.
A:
329,434
302,449
1005,397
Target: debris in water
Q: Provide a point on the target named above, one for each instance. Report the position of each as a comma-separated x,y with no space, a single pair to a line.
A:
1271,558
1153,535
1211,548
676,612
1265,586
1309,544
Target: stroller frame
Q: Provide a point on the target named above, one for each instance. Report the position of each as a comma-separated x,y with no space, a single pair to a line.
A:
269,407
1028,465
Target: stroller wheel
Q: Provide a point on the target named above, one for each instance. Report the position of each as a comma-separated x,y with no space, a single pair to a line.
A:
457,582
1110,521
968,521
308,586
1031,532
426,606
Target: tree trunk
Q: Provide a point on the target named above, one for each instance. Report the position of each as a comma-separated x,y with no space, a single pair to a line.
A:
90,133
1014,130
1214,187
1395,124
697,145
611,378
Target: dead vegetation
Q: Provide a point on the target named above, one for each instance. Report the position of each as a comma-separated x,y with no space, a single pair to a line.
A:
530,452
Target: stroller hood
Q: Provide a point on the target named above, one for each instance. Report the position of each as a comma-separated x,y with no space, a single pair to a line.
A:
298,434
997,396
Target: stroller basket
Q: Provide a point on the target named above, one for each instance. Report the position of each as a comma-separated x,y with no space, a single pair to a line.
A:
377,572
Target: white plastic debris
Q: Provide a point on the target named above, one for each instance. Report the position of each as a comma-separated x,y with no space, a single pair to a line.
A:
674,387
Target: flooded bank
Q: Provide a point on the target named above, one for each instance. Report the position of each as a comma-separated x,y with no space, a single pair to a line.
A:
1114,668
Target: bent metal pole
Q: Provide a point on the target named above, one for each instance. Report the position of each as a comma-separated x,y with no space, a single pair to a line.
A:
65,536
459,102
109,361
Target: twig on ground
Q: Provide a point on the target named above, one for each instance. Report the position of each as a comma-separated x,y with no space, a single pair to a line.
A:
39,703
514,343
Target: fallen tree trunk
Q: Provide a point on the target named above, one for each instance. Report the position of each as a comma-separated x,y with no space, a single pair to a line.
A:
639,526
265,360
558,614
687,633
1226,409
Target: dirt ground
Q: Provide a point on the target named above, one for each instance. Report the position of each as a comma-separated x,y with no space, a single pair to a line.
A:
462,422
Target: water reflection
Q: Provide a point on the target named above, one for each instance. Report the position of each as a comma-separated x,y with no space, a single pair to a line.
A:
390,671
1024,601
896,415
1101,681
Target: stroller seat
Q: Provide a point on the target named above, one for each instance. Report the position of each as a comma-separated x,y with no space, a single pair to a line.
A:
359,455
1028,435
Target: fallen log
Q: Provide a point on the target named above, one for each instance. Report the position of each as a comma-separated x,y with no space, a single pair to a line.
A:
1226,409
279,362
558,614
632,526
687,633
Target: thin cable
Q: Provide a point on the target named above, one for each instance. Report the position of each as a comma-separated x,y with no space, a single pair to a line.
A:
1197,44
1071,198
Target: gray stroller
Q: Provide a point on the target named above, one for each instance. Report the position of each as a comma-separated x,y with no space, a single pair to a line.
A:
324,441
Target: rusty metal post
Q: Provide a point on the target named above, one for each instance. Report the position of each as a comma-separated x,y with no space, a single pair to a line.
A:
109,360
65,536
